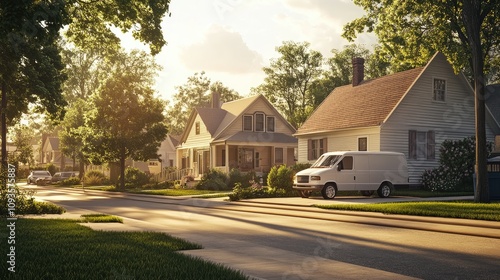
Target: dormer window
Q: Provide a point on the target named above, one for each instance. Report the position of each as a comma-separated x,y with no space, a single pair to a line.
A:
439,90
248,123
259,122
270,124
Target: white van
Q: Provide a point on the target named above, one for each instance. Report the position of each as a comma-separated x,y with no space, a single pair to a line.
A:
366,172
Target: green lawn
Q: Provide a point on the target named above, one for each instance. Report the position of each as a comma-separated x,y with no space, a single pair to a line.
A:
449,209
62,249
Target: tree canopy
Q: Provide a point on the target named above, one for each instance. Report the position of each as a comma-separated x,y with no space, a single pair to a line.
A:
31,70
196,92
288,80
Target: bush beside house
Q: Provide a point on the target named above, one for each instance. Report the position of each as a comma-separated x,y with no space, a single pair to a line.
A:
456,166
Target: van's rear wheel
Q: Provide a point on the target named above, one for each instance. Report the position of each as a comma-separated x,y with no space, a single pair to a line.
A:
305,194
329,191
384,190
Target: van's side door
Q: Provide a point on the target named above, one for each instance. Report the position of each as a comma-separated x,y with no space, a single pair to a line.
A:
362,168
345,174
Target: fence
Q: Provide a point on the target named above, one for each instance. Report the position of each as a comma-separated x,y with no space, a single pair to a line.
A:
169,175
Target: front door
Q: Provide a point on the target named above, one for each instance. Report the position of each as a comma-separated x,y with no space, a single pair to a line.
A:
246,159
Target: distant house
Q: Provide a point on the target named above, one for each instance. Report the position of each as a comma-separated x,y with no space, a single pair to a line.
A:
248,134
51,153
411,112
167,152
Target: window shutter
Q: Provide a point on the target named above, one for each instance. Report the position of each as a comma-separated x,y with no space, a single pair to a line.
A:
412,144
431,139
325,145
309,150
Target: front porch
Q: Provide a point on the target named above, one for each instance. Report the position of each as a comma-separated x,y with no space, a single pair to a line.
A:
244,157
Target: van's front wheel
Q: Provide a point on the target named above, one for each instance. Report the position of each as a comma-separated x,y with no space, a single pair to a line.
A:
384,190
329,191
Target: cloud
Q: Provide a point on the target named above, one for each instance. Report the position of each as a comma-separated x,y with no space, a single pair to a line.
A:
221,51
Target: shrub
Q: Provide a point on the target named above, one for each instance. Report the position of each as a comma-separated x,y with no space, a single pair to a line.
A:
299,167
159,185
281,177
70,181
213,180
235,176
254,191
95,178
456,166
135,177
25,203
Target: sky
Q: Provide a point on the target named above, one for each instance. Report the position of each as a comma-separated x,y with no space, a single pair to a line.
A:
231,40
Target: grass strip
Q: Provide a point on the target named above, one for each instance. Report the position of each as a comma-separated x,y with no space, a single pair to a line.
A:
62,249
175,192
449,209
100,218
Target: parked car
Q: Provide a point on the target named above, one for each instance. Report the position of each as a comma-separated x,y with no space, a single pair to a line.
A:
60,176
39,177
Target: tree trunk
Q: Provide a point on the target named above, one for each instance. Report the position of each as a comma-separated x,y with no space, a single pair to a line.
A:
471,14
4,126
122,168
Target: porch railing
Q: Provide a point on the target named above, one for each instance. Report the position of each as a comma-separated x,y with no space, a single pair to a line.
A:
172,175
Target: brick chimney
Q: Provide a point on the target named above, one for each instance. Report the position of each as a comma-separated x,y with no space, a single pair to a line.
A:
215,103
358,71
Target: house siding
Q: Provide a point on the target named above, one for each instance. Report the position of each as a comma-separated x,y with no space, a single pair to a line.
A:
196,141
345,140
452,119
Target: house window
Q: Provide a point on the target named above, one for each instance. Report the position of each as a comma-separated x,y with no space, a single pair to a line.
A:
278,155
197,128
362,144
270,124
247,123
439,89
315,148
421,145
259,122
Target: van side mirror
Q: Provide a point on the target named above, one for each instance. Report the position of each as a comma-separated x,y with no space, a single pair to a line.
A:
339,167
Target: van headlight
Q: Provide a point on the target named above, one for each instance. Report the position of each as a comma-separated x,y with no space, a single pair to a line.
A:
315,178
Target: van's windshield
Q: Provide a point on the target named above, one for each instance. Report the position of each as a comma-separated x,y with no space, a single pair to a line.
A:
326,161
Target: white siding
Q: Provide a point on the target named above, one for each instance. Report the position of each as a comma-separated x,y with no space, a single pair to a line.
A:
196,141
452,119
345,140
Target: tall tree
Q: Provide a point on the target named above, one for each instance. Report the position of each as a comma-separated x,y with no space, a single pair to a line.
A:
289,78
466,31
196,92
72,133
127,119
22,137
30,65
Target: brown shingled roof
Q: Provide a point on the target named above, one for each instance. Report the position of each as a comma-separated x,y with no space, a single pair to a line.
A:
367,104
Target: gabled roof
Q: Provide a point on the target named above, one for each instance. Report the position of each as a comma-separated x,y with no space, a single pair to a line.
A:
51,144
217,120
367,104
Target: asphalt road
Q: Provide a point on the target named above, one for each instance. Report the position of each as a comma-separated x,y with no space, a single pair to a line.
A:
297,242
